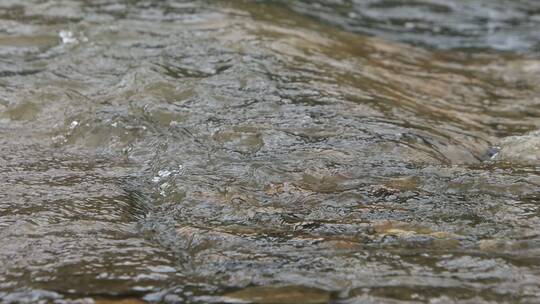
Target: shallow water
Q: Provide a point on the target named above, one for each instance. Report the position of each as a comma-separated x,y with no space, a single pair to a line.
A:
242,151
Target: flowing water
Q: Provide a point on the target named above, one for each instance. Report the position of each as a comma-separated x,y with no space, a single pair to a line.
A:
342,151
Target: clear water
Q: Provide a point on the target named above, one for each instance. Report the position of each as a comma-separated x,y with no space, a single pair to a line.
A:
269,152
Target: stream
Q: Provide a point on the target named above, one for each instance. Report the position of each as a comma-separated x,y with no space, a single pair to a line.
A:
287,151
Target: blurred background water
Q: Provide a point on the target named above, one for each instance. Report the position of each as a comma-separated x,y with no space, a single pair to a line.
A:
465,25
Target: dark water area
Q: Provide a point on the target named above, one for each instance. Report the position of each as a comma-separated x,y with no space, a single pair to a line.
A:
499,25
269,152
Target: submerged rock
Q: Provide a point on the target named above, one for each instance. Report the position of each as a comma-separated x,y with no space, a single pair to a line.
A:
520,149
278,295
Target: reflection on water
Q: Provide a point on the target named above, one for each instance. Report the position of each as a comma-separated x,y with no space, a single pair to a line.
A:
496,24
240,151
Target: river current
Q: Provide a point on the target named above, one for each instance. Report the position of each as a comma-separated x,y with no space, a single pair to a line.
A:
343,151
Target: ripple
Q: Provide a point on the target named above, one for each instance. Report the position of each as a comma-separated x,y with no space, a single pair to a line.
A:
190,151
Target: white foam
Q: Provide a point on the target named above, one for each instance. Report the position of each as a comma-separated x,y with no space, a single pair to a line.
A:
67,37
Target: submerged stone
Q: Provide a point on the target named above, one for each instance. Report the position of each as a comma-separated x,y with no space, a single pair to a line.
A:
278,294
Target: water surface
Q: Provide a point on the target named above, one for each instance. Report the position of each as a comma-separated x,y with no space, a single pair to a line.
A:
262,151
